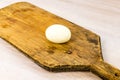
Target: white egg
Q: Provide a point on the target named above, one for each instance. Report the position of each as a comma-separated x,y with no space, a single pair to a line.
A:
58,33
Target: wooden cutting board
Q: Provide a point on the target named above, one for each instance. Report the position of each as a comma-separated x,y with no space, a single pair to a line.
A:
23,25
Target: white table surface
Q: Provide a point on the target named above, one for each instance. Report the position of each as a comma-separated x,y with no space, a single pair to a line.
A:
99,16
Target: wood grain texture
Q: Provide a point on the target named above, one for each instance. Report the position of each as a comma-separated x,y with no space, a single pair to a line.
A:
23,25
105,71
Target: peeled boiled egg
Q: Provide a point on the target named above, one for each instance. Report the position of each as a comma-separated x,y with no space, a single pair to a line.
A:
58,33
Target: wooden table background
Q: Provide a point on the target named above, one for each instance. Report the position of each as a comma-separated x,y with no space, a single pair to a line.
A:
99,16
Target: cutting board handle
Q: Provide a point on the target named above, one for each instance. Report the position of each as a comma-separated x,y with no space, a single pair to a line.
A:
105,71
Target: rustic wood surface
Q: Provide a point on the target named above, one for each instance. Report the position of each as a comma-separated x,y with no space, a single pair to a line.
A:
23,25
105,71
101,17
